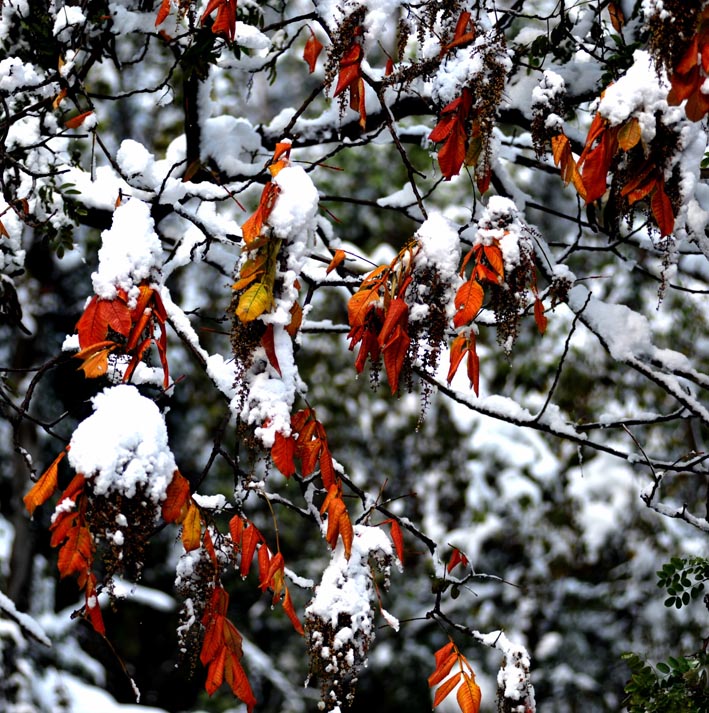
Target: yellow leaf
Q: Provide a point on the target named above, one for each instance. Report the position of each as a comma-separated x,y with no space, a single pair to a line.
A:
191,528
254,302
629,134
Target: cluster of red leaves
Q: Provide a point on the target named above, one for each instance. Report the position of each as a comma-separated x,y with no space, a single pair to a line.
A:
469,695
457,130
488,267
221,649
691,72
451,130
225,19
71,533
350,76
308,444
222,652
248,540
338,519
136,326
564,159
379,316
602,144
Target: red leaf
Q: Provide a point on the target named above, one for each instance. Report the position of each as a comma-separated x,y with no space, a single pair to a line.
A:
215,672
238,682
76,555
539,316
249,540
177,499
76,121
394,353
397,539
93,611
290,612
473,365
396,316
313,48
457,558
282,454
350,68
662,210
163,12
452,154
270,348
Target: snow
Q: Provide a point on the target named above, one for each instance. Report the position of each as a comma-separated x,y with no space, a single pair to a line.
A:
130,251
122,447
28,625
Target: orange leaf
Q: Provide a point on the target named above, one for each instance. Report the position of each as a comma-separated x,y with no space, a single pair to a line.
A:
264,560
337,259
44,488
446,687
684,85
282,454
76,121
346,531
697,105
662,210
457,352
469,694
468,301
327,468
251,229
296,319
177,499
443,669
96,365
493,255
444,652
191,528
76,555
290,612
61,526
313,48
616,15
